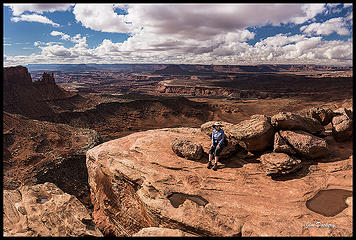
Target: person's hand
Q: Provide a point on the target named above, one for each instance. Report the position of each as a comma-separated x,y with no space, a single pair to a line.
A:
218,146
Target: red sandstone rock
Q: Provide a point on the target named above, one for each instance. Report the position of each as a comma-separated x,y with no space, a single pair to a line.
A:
18,75
323,115
292,121
39,151
342,127
187,149
279,163
306,144
44,210
255,134
280,145
137,177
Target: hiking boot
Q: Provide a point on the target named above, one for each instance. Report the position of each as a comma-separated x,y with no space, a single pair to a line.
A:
209,165
215,166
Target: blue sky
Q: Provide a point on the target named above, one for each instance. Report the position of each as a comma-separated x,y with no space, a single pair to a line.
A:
180,33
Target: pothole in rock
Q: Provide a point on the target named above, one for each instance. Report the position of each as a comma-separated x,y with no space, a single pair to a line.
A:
178,199
329,202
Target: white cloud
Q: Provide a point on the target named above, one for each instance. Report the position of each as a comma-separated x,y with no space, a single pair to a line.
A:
63,35
101,17
34,18
205,34
18,9
337,25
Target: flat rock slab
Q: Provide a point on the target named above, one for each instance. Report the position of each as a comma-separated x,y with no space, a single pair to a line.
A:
137,182
43,210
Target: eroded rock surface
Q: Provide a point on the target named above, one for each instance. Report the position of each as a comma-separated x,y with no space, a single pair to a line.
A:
255,134
137,182
342,126
187,149
293,121
44,210
279,163
281,146
323,115
306,144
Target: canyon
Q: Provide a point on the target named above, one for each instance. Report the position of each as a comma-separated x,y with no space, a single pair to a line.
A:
100,136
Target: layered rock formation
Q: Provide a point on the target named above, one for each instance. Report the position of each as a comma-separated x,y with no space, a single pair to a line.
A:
44,210
138,183
22,96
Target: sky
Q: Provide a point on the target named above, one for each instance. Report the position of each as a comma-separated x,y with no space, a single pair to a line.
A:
231,34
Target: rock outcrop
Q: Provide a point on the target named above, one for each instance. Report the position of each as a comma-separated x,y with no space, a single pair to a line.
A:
279,163
31,99
281,146
44,210
16,76
293,121
342,125
39,151
323,115
254,135
306,144
187,149
137,182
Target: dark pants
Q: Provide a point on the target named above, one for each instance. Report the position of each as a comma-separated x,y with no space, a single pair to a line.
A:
216,151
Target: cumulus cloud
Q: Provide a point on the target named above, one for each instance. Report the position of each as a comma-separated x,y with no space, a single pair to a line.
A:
101,17
63,35
337,25
34,18
191,20
18,9
201,34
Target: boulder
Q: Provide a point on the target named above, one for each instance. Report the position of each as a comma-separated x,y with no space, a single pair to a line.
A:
323,115
232,144
161,232
292,121
255,134
187,149
306,144
279,163
281,146
342,127
137,182
343,111
44,210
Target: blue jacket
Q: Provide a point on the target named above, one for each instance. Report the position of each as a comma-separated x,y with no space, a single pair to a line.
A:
217,137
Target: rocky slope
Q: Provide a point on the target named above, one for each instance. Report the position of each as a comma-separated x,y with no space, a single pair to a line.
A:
137,182
37,152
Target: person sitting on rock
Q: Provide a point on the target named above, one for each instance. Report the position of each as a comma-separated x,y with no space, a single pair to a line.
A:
217,144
